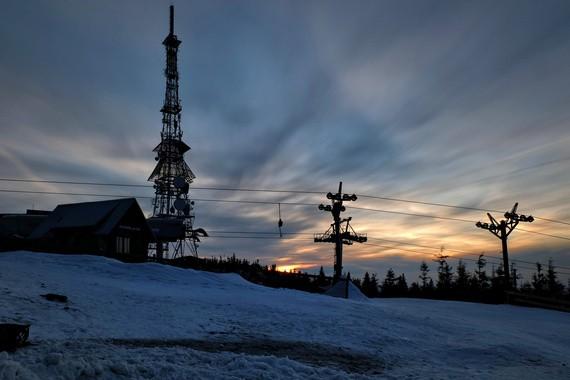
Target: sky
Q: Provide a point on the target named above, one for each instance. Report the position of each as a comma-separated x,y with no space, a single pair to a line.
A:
455,102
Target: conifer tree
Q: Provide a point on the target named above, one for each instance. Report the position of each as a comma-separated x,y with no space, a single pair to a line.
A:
539,281
462,280
322,279
444,275
481,279
389,284
402,285
431,286
555,288
357,283
366,285
498,279
414,290
373,285
424,276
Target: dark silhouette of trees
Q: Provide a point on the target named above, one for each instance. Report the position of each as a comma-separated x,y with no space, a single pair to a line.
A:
426,287
389,284
479,280
256,273
526,287
474,286
369,285
498,279
374,286
415,290
553,286
424,275
515,276
444,275
322,278
539,281
365,286
431,287
461,284
402,286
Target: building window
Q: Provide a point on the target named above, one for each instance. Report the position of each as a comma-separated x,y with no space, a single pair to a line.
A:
123,245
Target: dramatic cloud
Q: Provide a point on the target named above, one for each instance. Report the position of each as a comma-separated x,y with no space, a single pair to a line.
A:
453,102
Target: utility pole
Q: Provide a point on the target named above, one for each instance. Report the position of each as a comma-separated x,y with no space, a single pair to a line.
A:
502,230
340,232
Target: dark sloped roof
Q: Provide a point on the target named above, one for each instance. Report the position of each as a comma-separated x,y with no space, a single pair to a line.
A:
19,225
102,215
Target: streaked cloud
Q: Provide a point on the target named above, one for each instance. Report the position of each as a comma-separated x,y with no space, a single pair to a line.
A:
454,102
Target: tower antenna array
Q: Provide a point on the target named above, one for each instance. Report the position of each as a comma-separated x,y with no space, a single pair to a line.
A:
172,208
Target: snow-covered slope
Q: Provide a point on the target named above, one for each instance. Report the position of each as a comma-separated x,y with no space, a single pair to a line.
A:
154,321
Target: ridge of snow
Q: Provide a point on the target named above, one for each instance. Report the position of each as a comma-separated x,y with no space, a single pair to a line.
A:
186,311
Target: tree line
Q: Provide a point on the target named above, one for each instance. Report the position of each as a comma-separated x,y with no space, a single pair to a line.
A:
253,271
478,285
443,282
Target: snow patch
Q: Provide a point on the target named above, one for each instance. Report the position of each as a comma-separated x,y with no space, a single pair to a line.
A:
346,289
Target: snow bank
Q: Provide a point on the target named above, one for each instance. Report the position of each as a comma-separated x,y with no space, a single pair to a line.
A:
343,290
155,321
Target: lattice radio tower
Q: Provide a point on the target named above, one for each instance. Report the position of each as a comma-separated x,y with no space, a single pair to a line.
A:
172,176
340,232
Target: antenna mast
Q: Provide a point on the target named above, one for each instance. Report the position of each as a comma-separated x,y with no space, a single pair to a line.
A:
172,208
172,19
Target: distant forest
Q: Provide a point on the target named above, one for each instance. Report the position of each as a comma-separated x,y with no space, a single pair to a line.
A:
442,283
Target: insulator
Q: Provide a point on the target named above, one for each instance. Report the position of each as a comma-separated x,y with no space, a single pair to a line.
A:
343,208
329,196
530,219
353,197
321,207
478,224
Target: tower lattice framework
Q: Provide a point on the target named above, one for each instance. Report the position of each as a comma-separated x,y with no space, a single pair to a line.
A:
172,175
